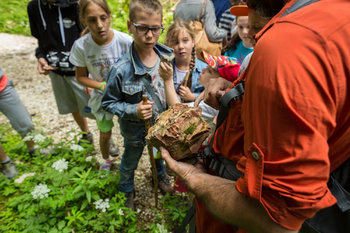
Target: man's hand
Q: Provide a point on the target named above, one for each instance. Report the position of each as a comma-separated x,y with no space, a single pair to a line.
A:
182,170
198,99
215,90
43,67
186,94
144,111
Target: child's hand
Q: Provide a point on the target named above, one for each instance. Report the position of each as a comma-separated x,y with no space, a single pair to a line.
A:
186,94
144,111
87,90
166,71
215,90
43,66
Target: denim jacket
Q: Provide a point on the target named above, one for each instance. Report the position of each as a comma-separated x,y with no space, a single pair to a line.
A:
196,88
124,91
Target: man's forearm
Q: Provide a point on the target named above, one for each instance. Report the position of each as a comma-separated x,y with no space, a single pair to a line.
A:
224,201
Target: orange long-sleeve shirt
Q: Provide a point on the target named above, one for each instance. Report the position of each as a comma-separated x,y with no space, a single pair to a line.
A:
295,118
296,111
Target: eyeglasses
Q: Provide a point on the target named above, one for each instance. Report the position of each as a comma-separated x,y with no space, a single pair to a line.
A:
143,29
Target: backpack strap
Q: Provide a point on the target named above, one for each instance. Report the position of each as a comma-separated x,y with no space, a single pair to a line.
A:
152,93
220,165
298,5
200,10
233,94
191,213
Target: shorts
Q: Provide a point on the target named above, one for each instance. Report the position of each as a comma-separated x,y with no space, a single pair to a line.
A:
105,125
12,107
69,94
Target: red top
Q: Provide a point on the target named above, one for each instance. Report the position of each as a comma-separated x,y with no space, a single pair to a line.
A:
295,114
3,82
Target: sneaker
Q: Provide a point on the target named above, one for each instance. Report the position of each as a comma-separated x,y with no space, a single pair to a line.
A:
9,169
164,185
169,171
129,202
113,149
86,138
105,167
43,151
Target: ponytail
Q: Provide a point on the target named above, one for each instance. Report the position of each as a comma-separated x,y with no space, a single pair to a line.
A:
235,39
84,31
192,66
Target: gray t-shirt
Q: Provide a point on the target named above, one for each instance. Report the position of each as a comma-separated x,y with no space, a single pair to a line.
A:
158,87
245,64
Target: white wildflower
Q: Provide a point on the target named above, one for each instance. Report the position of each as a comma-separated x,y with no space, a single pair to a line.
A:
120,212
76,147
28,138
39,138
60,165
102,205
161,228
88,159
40,191
101,160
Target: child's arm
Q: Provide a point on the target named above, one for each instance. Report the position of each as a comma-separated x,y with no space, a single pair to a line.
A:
166,73
81,75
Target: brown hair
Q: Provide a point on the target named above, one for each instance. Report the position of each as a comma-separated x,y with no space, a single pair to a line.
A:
266,8
233,42
149,6
174,30
82,6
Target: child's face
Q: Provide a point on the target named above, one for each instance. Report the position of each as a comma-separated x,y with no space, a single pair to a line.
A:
98,22
207,74
146,29
243,29
256,23
182,46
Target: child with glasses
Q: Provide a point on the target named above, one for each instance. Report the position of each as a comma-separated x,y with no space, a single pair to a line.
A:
133,75
93,54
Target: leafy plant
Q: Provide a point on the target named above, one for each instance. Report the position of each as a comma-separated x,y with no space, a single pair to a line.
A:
14,18
65,192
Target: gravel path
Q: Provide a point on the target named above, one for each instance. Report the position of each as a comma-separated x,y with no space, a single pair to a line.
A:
18,62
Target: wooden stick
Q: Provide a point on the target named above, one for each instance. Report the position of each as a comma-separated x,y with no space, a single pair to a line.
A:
152,160
186,79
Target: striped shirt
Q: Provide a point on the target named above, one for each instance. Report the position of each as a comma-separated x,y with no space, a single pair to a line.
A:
228,23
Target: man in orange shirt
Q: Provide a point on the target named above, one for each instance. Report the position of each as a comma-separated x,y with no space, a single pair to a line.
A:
296,119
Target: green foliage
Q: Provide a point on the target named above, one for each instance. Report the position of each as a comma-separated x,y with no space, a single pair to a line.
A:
74,193
14,18
190,129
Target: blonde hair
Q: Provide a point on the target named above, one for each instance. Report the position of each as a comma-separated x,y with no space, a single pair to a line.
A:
174,30
149,6
82,7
